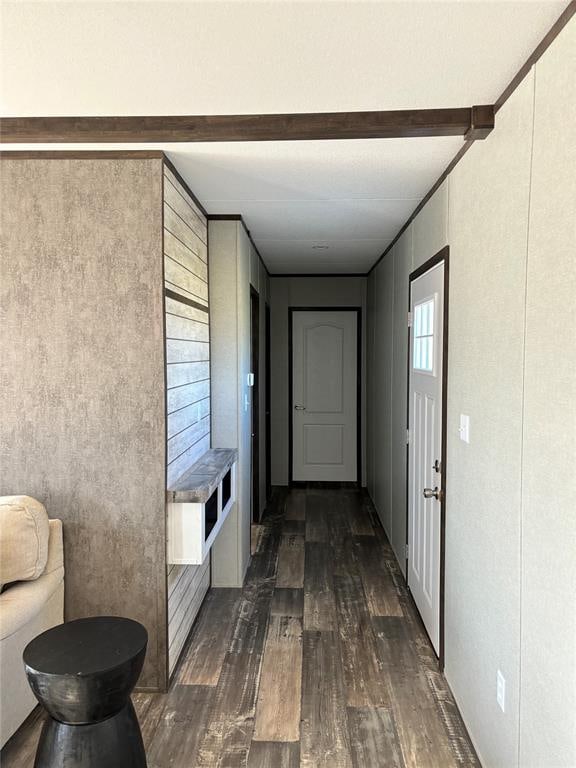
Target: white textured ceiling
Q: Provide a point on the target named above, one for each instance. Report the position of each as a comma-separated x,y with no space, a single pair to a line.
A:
352,196
137,58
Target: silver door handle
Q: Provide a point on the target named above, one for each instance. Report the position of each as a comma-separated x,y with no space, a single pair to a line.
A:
437,494
299,407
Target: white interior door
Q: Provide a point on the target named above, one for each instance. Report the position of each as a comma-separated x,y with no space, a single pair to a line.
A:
425,446
324,395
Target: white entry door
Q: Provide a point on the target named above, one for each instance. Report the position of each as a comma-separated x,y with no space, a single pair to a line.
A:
324,395
425,446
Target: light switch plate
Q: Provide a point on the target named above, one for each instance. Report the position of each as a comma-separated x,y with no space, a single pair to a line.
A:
464,428
501,691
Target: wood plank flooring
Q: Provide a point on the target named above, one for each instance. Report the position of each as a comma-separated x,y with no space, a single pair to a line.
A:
319,662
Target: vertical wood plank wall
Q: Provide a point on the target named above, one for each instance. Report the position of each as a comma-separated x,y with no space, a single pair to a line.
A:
188,381
187,328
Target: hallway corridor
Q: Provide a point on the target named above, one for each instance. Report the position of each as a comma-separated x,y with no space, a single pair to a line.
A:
320,661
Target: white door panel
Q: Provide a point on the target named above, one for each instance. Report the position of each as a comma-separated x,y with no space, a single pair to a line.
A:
425,450
324,395
324,443
323,379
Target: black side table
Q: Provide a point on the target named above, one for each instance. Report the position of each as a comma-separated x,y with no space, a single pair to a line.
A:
82,673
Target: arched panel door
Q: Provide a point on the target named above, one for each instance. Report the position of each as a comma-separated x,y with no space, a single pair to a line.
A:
324,395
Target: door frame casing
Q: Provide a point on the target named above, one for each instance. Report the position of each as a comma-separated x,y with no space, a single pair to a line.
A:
268,399
255,398
358,311
442,256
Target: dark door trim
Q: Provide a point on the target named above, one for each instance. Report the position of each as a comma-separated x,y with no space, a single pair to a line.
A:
442,256
358,311
255,419
268,404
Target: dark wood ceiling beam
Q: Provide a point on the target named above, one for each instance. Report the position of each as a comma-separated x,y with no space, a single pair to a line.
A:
406,123
481,123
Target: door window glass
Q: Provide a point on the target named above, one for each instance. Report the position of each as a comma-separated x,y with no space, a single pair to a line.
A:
423,355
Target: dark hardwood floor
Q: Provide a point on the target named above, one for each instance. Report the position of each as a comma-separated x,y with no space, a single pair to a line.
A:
320,661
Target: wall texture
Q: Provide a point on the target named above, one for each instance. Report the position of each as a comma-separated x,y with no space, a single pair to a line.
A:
187,328
488,226
259,280
288,292
231,404
264,295
82,376
386,355
508,212
187,380
548,543
379,408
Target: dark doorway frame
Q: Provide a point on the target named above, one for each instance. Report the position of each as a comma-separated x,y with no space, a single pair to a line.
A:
358,311
255,369
442,256
268,399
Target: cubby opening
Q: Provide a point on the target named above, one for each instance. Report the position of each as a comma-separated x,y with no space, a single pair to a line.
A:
210,514
226,488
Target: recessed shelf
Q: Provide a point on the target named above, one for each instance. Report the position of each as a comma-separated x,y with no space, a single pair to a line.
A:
197,506
226,487
210,514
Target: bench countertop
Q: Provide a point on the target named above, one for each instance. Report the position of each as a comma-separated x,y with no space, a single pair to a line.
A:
199,482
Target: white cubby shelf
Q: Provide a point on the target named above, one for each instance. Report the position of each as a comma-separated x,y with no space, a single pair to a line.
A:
197,506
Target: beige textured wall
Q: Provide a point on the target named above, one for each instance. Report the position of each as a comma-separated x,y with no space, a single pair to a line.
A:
380,408
488,224
259,280
430,228
548,639
264,295
387,396
402,257
279,301
245,393
288,292
82,376
231,422
508,212
371,357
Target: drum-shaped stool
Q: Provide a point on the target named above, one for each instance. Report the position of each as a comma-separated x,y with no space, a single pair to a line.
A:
82,673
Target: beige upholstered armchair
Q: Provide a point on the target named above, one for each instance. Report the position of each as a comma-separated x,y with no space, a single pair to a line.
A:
32,597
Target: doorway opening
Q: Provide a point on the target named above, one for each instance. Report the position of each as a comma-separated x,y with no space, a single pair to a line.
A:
255,427
324,352
267,406
426,449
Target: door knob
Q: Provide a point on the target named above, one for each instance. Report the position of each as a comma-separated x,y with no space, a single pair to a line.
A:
437,493
299,408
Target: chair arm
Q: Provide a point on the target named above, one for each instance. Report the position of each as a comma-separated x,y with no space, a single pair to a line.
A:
55,547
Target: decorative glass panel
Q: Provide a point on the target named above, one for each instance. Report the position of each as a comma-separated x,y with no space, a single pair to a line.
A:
423,357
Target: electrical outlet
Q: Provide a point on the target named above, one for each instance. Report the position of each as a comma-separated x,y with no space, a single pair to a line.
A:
501,690
464,428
